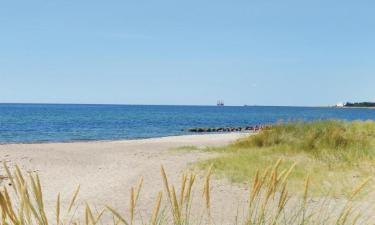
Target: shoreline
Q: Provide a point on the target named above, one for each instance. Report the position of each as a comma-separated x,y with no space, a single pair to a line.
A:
122,140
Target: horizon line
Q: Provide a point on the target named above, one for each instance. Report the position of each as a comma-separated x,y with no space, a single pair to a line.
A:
140,104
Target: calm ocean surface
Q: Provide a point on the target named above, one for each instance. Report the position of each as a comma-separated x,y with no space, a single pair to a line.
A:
28,123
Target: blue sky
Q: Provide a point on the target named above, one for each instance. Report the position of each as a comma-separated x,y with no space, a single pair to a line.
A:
289,52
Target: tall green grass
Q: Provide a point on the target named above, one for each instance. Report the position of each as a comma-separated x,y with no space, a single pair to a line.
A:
337,140
269,203
340,151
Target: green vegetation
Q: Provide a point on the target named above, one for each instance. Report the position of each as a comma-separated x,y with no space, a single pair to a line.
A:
288,164
269,203
360,104
334,153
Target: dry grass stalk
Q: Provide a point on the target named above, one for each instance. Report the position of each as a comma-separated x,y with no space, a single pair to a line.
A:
155,215
268,203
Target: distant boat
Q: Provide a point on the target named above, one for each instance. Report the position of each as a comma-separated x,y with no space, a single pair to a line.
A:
220,103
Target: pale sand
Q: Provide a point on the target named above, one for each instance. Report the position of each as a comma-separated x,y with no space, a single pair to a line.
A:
107,170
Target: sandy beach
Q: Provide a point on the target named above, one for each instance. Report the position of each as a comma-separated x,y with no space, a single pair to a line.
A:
107,170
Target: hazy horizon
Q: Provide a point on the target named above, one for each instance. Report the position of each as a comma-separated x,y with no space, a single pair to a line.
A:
138,104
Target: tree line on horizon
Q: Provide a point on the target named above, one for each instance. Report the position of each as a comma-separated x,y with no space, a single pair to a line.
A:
360,104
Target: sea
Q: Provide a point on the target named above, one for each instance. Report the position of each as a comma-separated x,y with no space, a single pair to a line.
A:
35,123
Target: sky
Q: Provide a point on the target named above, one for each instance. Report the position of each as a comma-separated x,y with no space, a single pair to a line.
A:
255,52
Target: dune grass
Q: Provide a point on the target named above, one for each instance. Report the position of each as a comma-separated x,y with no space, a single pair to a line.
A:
282,168
269,203
334,153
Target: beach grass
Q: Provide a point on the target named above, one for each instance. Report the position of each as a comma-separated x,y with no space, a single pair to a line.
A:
269,203
334,153
290,173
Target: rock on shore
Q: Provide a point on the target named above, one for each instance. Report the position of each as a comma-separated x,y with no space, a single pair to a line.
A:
229,129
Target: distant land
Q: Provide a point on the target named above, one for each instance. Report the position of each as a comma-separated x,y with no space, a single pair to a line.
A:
357,104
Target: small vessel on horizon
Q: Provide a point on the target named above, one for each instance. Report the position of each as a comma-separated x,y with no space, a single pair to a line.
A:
220,103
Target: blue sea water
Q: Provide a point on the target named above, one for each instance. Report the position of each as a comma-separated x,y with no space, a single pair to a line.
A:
29,123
